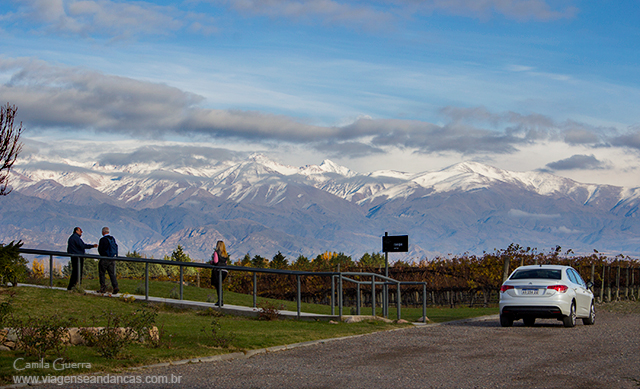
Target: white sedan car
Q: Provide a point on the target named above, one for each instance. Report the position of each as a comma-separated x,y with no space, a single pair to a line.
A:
546,291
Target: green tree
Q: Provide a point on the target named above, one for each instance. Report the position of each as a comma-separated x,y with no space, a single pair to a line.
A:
279,261
371,260
302,263
13,268
178,255
245,261
258,262
343,260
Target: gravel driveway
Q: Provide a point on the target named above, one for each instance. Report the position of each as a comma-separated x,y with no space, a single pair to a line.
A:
478,354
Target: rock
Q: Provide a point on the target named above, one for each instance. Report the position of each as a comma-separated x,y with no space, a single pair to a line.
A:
12,335
333,322
402,321
75,338
10,345
4,348
421,320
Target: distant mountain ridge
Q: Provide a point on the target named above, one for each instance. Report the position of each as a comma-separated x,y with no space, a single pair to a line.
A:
259,206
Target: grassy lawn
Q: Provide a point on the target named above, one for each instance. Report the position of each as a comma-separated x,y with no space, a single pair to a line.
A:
166,289
186,334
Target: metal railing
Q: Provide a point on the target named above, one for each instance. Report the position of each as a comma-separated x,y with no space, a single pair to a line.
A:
376,280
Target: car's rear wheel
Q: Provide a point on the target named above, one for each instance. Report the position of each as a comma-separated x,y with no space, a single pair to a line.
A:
506,320
570,320
592,316
529,321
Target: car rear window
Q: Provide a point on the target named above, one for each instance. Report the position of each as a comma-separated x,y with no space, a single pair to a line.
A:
545,274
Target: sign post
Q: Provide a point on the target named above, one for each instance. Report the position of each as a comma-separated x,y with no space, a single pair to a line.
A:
396,244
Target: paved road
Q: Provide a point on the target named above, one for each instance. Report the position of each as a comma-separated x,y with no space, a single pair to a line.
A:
462,355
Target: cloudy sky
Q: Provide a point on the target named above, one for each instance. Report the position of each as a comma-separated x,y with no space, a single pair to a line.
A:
410,85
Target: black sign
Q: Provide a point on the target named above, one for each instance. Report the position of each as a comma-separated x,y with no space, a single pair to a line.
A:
395,244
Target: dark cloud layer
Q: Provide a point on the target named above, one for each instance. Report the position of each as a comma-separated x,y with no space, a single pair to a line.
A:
174,156
577,162
52,97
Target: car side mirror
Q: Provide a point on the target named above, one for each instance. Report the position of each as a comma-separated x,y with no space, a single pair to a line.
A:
589,285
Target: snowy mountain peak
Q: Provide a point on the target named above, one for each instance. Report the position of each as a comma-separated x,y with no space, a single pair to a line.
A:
327,166
272,165
331,167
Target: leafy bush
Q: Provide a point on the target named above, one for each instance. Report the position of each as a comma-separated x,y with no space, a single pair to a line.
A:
37,336
269,310
141,323
121,329
13,268
218,337
5,311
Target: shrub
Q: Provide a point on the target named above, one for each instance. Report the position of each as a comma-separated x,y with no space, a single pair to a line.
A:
121,329
37,336
217,337
13,268
108,340
5,311
268,310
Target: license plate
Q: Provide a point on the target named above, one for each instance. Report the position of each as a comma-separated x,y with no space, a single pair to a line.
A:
529,291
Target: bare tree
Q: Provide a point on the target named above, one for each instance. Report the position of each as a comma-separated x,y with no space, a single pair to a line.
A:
9,144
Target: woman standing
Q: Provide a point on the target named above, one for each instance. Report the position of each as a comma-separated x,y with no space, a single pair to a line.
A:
219,258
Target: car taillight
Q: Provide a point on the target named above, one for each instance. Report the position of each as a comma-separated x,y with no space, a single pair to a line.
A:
558,288
504,288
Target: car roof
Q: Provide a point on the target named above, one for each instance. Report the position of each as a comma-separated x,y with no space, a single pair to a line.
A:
557,267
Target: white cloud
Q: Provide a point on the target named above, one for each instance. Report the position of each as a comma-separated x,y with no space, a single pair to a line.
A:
108,18
523,214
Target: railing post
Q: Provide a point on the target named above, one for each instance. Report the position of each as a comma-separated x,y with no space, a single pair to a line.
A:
298,294
399,302
424,303
255,289
181,279
146,281
51,270
373,295
333,293
340,296
358,299
219,291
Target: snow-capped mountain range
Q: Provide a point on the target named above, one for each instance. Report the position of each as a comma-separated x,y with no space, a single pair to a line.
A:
260,207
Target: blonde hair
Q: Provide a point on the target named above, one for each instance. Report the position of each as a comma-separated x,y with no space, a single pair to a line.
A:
221,249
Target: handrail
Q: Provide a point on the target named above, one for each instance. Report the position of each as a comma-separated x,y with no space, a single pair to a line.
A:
342,276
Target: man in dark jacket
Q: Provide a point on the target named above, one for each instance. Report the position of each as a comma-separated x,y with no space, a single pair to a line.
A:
75,245
107,247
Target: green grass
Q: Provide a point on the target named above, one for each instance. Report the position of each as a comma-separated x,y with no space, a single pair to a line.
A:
194,293
183,329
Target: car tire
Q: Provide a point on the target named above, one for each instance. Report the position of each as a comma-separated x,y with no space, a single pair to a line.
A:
592,316
570,320
506,321
529,321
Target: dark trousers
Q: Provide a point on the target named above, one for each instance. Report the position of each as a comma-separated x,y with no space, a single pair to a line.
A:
214,280
107,266
77,264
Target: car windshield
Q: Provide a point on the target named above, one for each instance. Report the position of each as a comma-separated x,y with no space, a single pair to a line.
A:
545,274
